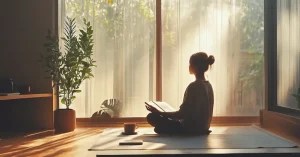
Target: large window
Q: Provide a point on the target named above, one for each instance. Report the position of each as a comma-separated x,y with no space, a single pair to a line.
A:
232,31
288,52
125,51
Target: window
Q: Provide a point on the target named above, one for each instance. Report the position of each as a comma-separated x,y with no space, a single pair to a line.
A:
288,52
125,33
224,29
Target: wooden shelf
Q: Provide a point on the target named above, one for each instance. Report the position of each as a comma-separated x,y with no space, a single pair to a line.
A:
25,96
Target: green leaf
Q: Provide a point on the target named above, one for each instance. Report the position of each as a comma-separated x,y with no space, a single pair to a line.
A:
82,32
91,75
63,100
77,91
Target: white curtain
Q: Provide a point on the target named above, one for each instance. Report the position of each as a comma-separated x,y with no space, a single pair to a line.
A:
231,30
215,27
124,33
288,49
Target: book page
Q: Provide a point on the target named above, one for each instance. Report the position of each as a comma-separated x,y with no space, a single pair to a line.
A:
151,103
164,106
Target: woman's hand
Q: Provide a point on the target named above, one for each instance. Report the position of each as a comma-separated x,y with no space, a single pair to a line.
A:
151,108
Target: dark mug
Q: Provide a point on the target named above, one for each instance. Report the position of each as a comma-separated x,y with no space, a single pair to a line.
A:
129,128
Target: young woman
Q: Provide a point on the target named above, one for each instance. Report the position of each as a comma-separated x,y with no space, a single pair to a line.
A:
195,113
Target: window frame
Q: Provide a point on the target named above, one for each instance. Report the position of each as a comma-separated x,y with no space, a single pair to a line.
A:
270,57
269,97
158,52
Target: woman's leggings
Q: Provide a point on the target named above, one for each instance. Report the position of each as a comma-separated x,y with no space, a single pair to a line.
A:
164,125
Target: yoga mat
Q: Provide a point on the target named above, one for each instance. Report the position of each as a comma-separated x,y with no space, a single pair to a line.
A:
221,138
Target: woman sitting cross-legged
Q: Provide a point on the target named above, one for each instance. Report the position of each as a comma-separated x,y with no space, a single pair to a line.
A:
195,113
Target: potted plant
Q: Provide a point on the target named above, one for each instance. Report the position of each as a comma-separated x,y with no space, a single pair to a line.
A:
110,108
297,96
69,69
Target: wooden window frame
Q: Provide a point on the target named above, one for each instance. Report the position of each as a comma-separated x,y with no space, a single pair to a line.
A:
158,52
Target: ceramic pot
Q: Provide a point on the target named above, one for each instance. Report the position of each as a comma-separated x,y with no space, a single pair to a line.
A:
64,120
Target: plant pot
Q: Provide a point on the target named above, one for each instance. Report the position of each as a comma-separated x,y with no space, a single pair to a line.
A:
64,120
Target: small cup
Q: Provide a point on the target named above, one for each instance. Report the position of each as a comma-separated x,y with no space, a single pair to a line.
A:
129,128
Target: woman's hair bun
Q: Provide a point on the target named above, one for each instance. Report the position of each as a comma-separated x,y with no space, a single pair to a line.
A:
210,60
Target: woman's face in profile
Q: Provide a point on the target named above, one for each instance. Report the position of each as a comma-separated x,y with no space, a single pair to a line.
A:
191,69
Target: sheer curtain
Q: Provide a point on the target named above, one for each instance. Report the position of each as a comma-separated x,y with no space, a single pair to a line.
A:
288,51
124,33
218,28
231,30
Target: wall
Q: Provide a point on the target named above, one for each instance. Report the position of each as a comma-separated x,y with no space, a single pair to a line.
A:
24,24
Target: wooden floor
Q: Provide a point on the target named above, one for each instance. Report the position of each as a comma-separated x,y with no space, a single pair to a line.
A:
77,143
48,144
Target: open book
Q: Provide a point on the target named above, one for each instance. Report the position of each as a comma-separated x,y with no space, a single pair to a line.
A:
161,106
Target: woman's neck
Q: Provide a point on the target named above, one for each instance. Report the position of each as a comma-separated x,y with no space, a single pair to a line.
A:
200,77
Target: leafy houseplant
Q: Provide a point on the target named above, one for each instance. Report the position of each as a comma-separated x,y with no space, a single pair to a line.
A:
108,109
297,96
70,68
112,105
